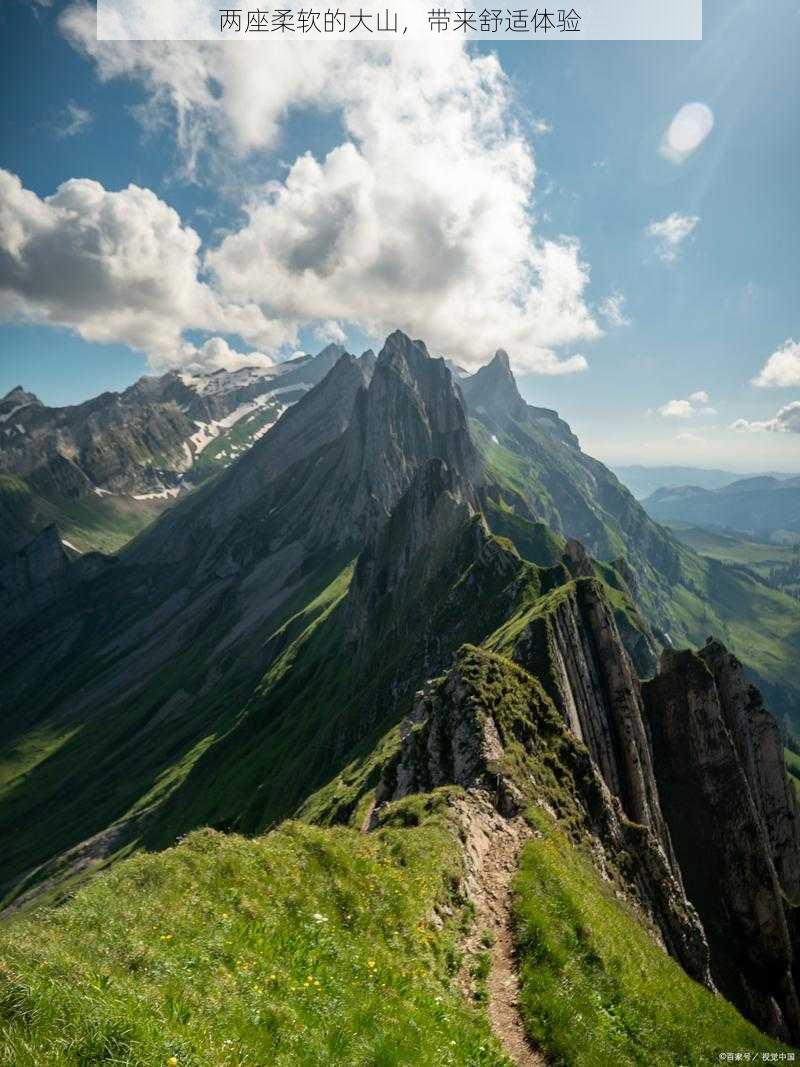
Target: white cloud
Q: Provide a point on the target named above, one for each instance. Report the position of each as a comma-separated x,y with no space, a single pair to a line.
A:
691,438
329,331
541,127
686,132
113,267
217,354
696,404
782,368
73,120
422,218
612,310
670,233
786,421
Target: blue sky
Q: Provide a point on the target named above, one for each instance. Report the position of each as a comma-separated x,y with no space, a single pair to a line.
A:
701,316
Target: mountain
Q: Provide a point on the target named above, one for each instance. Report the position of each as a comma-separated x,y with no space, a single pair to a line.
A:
103,469
535,459
762,507
367,625
644,481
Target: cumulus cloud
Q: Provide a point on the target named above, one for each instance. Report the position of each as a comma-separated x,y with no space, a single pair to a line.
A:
73,120
670,234
686,132
217,354
782,367
329,332
422,218
113,267
694,405
786,421
612,310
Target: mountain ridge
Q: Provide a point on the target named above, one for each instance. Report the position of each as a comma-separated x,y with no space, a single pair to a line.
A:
345,620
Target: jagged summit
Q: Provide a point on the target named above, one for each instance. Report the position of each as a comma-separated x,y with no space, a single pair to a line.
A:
19,395
331,352
411,412
493,389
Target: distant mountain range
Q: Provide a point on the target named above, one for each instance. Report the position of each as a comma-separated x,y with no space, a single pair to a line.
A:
413,608
644,481
103,469
763,507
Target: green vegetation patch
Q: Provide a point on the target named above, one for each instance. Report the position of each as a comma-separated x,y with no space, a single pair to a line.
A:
307,946
595,988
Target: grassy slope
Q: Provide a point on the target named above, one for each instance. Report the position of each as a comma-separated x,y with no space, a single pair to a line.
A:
761,625
734,548
595,988
320,945
775,562
307,946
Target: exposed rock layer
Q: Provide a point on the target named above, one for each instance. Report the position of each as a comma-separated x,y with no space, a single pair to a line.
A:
733,824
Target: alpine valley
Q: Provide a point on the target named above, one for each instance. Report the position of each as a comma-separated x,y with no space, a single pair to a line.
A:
352,715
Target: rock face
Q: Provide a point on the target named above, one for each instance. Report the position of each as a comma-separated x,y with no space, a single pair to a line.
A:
759,745
488,727
419,540
733,824
574,647
574,494
39,573
317,420
40,565
142,439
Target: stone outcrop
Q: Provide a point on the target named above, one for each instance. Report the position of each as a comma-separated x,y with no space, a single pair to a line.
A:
733,825
39,573
38,566
757,738
488,727
573,645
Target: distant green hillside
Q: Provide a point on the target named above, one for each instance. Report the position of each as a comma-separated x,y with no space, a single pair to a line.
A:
93,523
778,564
685,595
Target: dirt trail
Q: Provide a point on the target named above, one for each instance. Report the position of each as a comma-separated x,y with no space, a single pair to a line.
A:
492,846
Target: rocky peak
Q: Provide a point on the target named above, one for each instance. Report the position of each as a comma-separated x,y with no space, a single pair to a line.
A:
411,413
494,389
18,397
331,353
462,731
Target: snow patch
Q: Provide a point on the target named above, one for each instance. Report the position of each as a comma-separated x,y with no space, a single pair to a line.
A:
19,407
290,388
165,494
69,545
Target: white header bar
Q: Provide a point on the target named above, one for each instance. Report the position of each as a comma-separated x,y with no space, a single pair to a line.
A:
304,21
